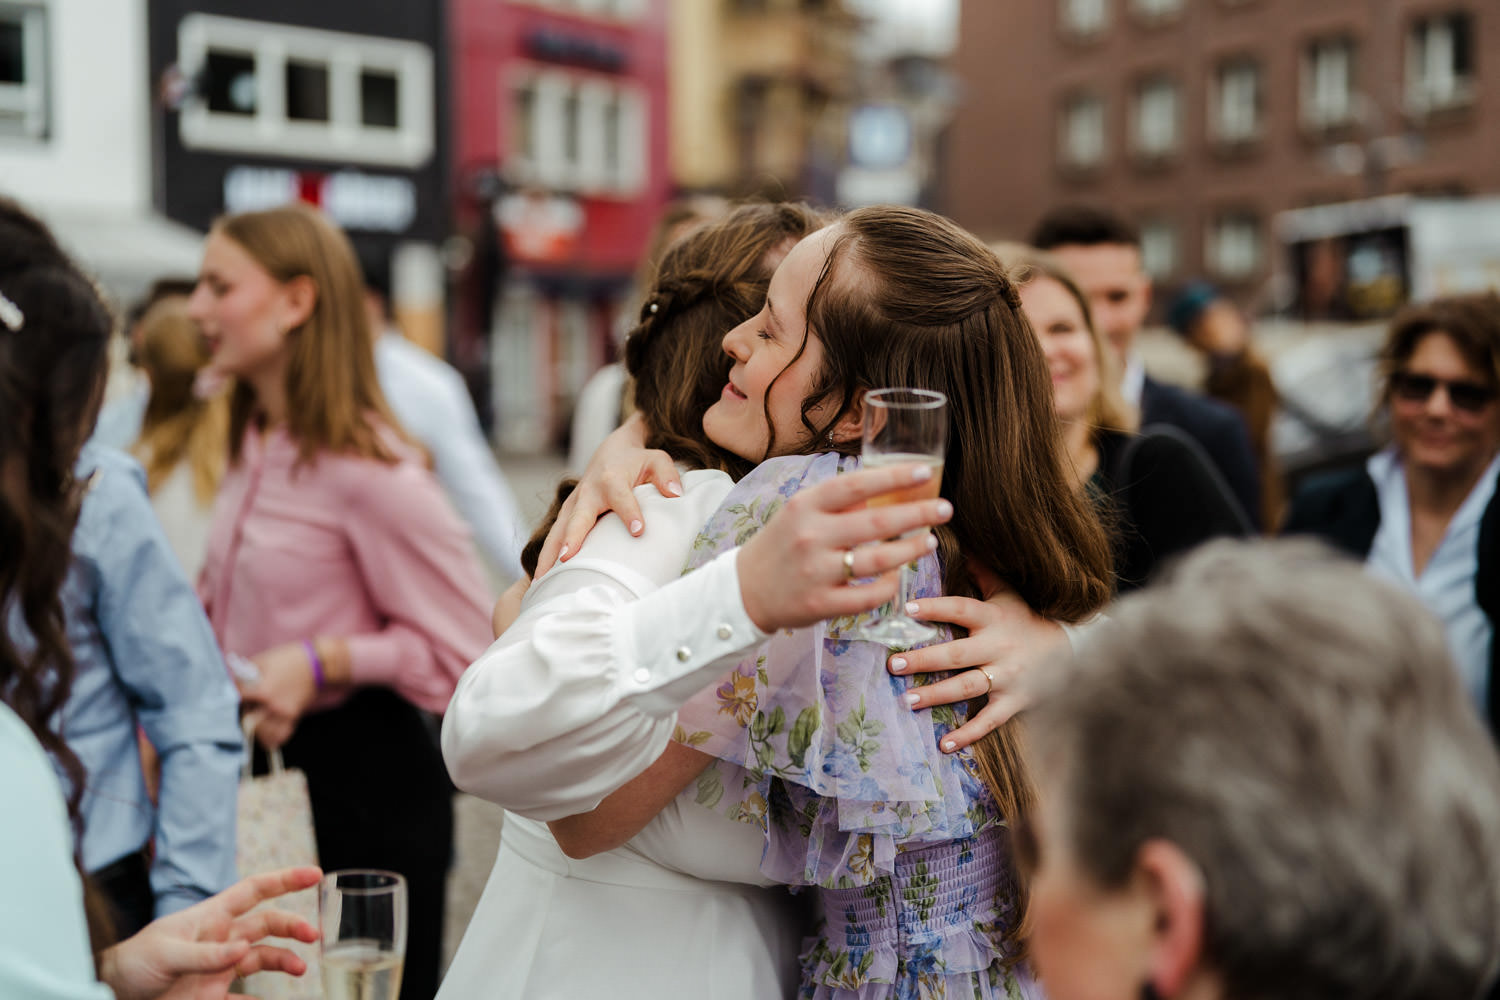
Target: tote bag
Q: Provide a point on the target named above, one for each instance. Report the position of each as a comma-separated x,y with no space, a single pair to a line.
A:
275,830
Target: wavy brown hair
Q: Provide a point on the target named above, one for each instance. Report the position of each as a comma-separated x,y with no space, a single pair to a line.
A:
334,400
908,298
707,283
178,426
52,371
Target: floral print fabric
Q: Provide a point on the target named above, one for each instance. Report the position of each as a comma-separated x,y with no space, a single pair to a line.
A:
816,745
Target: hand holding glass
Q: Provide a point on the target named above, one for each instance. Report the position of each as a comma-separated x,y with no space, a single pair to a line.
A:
363,917
901,426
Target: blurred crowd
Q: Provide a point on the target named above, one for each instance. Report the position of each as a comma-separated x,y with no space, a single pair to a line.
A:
1151,752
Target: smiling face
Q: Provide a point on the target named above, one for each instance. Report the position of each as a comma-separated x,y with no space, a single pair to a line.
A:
1118,288
243,312
1432,434
1067,344
765,378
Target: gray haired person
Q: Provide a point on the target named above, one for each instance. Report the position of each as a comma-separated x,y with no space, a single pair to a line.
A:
1263,779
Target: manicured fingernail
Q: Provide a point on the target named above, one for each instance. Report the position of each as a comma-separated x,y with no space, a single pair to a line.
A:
675,489
564,553
949,745
921,474
911,609
898,663
912,698
944,508
635,527
932,543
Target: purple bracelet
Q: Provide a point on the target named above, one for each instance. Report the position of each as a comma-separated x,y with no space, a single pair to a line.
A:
317,664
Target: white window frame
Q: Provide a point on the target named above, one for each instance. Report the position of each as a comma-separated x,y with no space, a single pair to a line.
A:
1155,11
1081,112
344,136
1228,234
1084,18
1160,249
1327,96
1144,118
1432,78
592,173
26,102
1235,110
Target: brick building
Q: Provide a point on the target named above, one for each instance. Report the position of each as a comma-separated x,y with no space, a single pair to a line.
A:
1201,119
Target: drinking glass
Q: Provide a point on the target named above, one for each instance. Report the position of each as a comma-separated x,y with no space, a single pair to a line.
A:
363,917
901,426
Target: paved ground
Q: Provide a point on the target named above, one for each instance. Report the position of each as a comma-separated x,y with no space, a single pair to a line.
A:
477,829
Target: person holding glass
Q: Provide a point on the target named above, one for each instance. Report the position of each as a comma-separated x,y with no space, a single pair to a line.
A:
863,803
56,938
335,564
1422,510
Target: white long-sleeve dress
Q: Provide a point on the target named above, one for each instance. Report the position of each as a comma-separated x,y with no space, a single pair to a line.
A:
578,697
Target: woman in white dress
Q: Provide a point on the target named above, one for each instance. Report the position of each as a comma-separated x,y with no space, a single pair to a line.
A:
580,695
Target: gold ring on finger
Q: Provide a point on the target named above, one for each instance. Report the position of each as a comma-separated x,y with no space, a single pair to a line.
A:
848,564
989,679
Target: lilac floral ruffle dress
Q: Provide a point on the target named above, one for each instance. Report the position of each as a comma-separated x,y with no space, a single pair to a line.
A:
900,843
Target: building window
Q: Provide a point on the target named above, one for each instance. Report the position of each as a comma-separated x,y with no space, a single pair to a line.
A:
1328,83
1235,110
573,132
1084,18
1082,132
1440,62
277,89
23,71
1234,246
1156,10
1159,249
1157,106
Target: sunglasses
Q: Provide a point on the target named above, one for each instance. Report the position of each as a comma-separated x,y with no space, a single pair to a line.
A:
1471,397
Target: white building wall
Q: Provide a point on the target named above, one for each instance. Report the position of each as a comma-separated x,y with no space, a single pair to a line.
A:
96,156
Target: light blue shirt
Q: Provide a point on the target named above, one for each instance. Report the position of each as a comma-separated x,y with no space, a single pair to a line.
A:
44,938
431,401
1446,585
146,657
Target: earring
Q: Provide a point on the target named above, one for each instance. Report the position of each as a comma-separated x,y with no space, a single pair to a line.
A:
831,442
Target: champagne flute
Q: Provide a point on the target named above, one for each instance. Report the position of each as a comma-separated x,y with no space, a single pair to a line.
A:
902,426
363,917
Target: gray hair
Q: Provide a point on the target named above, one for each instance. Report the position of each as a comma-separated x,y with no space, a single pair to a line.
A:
1298,729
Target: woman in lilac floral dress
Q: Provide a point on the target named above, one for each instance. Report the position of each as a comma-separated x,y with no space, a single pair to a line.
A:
811,738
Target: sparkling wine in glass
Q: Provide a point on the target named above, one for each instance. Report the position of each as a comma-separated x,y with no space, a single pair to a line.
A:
363,917
903,426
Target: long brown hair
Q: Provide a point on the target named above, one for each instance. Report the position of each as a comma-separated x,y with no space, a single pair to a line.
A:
907,298
178,425
54,337
334,400
707,283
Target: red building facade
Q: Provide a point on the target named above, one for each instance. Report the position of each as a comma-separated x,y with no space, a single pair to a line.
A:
560,159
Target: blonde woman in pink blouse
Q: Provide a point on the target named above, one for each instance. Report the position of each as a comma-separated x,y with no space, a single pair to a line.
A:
334,563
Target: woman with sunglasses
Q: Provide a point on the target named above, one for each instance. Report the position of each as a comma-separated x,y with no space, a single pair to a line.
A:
1421,511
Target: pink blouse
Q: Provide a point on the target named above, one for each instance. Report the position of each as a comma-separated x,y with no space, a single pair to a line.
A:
346,547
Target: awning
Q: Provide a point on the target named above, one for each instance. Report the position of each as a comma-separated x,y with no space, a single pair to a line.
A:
126,252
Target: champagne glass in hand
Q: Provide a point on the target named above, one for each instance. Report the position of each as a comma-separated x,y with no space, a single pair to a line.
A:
363,917
900,426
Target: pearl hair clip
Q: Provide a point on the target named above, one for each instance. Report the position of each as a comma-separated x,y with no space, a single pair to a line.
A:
11,315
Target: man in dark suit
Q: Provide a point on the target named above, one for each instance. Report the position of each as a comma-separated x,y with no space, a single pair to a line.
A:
1103,253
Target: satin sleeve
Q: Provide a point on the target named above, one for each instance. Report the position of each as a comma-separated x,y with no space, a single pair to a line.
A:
580,694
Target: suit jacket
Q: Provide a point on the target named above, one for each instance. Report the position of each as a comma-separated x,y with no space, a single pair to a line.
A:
1218,428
